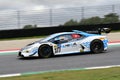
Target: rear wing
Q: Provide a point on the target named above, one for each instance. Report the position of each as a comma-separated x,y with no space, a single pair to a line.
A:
100,31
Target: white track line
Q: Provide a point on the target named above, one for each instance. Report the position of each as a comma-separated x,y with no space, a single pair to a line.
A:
88,68
10,75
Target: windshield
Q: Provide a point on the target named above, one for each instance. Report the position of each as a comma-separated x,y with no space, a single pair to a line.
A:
48,37
52,36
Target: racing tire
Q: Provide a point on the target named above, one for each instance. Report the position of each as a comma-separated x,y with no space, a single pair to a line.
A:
96,46
45,51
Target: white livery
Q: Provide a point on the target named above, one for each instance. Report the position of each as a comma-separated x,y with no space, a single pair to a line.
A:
65,43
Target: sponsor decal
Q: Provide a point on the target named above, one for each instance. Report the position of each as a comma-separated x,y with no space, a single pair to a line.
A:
69,45
57,48
105,42
102,38
74,44
87,44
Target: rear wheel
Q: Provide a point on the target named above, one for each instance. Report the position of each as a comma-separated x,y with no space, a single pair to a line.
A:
97,46
45,51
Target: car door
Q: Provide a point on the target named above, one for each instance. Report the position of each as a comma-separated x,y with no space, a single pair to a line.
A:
69,47
63,43
66,44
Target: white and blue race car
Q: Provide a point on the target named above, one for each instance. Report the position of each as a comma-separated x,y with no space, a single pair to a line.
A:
65,43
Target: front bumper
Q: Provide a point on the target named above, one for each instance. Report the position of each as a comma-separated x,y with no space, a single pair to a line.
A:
20,55
25,55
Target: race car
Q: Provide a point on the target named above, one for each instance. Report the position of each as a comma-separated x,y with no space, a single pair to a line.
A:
66,43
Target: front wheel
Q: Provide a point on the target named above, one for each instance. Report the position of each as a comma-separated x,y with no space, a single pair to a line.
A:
45,51
97,46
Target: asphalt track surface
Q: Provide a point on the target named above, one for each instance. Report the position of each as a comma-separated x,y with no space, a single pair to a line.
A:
11,64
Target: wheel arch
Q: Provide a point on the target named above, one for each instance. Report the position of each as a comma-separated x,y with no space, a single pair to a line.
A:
42,45
96,40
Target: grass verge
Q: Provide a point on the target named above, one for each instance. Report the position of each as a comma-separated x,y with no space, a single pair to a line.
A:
96,74
116,31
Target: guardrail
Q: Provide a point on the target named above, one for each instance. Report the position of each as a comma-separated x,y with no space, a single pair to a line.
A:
50,30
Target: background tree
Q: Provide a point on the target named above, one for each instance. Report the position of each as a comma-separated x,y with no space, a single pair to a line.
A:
111,18
29,26
92,20
71,22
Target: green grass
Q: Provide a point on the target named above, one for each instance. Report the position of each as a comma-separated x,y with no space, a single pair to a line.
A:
116,31
97,74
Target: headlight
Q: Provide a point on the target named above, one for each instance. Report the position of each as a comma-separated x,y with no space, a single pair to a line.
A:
27,51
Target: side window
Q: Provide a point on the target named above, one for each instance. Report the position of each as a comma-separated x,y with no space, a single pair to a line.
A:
62,39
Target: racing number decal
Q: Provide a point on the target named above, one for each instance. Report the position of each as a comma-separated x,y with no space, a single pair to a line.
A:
57,48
